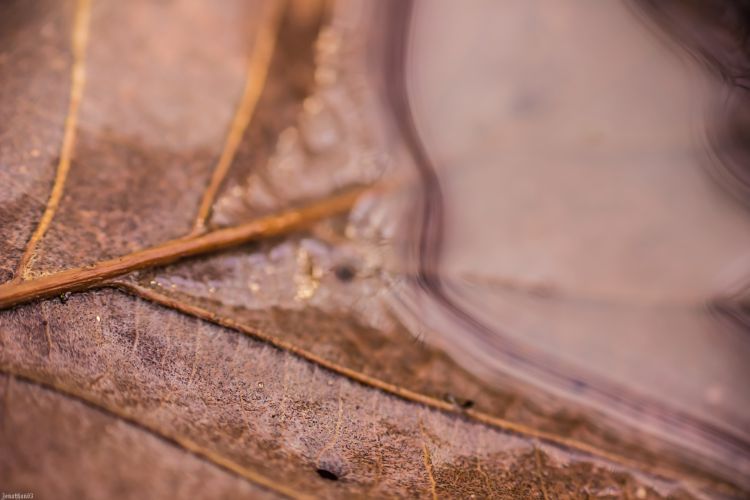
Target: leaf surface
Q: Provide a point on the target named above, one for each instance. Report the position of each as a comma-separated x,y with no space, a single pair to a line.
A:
272,368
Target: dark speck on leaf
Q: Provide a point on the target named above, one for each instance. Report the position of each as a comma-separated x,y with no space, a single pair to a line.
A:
344,273
464,404
326,474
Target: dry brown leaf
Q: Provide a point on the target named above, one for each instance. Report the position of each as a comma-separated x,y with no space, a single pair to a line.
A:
214,375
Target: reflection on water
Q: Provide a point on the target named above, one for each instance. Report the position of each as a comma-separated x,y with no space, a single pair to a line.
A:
571,231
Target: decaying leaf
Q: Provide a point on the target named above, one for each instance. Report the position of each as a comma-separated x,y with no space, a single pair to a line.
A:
195,300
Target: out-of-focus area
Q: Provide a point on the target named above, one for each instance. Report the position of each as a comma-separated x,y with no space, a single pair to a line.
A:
591,236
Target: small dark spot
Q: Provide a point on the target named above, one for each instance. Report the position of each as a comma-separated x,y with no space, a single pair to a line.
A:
326,474
464,404
344,273
44,322
64,297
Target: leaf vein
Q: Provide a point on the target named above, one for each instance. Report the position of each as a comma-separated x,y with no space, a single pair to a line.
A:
186,444
78,81
257,73
490,421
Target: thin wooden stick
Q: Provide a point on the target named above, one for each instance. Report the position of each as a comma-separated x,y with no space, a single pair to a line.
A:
86,277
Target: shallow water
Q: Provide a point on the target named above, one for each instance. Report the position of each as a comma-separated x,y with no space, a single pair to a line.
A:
583,244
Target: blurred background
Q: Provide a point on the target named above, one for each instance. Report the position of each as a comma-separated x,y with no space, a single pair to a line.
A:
592,162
